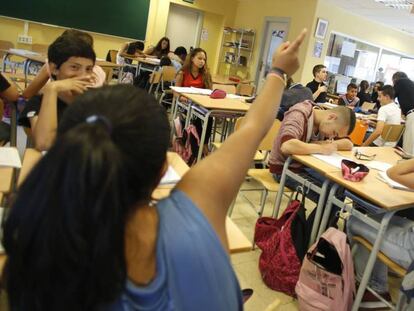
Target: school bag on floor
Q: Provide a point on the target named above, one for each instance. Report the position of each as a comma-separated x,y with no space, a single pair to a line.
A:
283,243
326,280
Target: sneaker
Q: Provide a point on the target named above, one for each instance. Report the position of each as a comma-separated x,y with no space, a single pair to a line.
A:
370,302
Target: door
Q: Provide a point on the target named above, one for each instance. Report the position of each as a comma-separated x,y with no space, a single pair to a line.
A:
276,31
184,26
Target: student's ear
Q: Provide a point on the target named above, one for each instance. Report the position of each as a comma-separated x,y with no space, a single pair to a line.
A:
53,70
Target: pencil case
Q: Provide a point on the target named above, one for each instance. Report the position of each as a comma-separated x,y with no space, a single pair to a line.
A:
353,171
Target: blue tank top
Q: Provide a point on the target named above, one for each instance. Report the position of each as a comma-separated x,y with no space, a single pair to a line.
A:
193,269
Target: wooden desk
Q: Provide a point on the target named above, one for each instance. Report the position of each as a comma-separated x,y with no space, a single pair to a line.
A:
224,104
219,79
6,179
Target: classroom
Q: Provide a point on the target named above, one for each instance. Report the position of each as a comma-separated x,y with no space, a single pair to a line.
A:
207,155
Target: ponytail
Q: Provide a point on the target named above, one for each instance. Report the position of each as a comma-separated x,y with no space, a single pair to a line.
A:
65,232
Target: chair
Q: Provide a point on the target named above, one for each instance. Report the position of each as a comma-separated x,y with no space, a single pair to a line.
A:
400,271
244,89
263,176
154,79
358,134
167,79
229,89
392,132
112,56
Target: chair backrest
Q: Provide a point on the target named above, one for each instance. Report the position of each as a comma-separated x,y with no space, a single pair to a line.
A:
358,134
5,45
229,89
40,48
392,132
112,56
367,106
244,89
267,142
155,77
168,73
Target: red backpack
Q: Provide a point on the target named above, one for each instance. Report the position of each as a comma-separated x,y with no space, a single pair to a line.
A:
281,257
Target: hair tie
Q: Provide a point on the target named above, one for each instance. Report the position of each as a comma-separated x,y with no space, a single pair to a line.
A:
103,120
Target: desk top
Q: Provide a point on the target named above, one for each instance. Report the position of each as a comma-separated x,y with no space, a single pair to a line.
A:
314,163
218,104
219,79
6,179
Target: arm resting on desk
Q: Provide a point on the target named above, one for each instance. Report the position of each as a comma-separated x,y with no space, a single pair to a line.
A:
296,146
403,173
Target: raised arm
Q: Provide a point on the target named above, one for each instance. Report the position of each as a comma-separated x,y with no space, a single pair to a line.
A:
213,183
403,173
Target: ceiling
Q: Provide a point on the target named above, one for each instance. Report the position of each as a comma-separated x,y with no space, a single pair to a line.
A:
401,19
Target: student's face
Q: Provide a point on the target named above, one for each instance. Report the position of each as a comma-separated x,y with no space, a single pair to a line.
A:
164,44
383,99
351,94
199,60
331,128
74,67
322,74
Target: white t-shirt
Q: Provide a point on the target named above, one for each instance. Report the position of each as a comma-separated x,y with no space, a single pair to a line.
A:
389,114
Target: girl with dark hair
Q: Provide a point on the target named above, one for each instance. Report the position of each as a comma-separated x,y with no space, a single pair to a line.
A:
83,232
363,94
161,49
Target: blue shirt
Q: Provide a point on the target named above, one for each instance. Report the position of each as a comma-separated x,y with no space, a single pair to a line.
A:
193,269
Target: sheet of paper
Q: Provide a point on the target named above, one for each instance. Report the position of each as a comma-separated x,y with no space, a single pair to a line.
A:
393,184
234,96
333,159
191,90
9,157
378,165
170,177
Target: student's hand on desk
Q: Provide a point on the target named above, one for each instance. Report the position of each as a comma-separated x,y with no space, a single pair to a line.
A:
328,148
286,56
77,85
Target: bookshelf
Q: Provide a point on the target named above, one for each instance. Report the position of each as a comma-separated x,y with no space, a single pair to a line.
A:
236,51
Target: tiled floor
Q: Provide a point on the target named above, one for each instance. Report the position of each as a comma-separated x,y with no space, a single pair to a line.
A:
246,264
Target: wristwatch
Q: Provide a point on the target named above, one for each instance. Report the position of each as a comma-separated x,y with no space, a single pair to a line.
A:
280,73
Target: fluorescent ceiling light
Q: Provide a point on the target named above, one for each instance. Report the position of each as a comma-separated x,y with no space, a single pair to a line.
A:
406,5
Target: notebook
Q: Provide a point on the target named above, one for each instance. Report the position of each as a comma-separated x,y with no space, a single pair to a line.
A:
393,184
9,157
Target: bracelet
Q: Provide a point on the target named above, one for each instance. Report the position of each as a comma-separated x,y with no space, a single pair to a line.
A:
274,74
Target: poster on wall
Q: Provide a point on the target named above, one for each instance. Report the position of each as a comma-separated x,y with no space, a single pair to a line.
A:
317,49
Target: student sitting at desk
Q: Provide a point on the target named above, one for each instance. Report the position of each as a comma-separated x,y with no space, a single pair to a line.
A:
8,93
349,99
71,62
317,85
389,113
306,130
178,57
195,73
83,232
44,75
161,49
398,243
132,49
363,94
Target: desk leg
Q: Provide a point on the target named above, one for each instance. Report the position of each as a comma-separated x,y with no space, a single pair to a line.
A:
203,135
5,57
327,212
371,261
13,125
319,210
279,195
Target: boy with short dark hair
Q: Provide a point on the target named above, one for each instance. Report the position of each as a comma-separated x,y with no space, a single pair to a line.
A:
389,113
317,85
71,61
349,99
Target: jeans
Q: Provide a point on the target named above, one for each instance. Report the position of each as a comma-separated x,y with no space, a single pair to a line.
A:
398,245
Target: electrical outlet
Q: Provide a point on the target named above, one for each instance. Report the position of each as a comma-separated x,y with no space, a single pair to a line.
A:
24,39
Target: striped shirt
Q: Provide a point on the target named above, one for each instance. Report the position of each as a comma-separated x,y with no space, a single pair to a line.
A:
294,126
